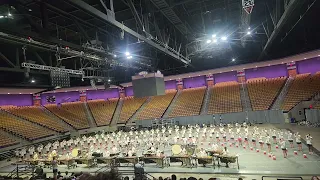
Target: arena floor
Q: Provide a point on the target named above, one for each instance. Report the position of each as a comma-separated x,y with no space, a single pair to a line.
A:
252,163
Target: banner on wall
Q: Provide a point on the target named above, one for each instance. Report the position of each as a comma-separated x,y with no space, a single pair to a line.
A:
51,99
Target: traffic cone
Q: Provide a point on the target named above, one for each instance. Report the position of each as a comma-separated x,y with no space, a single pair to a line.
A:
258,150
304,156
274,158
295,152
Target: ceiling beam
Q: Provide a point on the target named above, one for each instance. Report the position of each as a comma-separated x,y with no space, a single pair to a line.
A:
2,56
287,14
107,18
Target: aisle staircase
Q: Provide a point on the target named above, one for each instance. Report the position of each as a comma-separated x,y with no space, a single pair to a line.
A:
172,103
90,118
59,120
283,92
134,116
206,100
116,114
244,96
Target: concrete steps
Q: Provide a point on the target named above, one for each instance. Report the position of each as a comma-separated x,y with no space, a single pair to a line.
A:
58,119
134,116
244,96
116,114
283,93
90,118
206,100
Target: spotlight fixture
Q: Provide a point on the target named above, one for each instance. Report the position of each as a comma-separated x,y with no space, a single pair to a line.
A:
224,38
33,81
9,14
115,55
215,41
129,57
214,35
233,59
248,32
208,41
127,53
249,28
109,80
1,17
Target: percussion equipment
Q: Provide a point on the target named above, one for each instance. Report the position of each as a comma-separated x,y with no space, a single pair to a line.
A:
75,152
176,149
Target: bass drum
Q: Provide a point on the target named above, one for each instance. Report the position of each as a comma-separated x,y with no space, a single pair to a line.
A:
75,152
176,149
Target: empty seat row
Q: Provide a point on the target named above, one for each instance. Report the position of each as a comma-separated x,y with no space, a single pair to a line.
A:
262,91
37,115
102,110
129,107
188,103
23,128
156,106
225,98
303,87
72,113
6,141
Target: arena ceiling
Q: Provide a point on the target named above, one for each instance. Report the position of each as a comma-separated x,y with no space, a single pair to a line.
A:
154,32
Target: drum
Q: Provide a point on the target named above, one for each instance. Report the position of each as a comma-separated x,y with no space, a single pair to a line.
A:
75,152
176,149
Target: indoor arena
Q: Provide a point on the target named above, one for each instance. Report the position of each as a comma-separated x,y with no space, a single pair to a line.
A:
159,89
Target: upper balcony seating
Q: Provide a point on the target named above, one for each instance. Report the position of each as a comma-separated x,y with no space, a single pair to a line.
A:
262,91
303,87
156,106
225,98
72,113
189,102
103,110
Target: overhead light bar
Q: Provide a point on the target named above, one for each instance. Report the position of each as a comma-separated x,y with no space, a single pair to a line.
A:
50,68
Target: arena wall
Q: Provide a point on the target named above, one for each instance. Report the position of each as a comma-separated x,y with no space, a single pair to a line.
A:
171,84
225,77
129,91
194,82
61,97
102,94
268,116
267,72
16,99
308,66
313,115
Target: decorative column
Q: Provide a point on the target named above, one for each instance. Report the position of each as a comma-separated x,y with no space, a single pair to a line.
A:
241,76
292,69
179,84
210,80
36,100
83,96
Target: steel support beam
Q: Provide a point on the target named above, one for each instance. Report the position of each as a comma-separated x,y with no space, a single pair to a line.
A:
17,57
283,20
6,59
136,15
83,32
44,14
161,47
39,58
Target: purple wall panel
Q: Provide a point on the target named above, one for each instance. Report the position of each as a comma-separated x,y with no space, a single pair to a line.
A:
171,84
16,99
129,91
308,66
102,94
267,72
194,82
225,77
61,97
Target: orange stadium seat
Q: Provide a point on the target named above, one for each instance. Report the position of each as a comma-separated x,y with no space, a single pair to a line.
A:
129,107
72,113
23,128
188,102
225,98
157,106
303,87
262,91
37,115
6,141
103,110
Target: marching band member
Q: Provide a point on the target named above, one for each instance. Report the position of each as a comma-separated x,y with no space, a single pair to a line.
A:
225,151
261,142
217,137
202,153
290,139
253,139
283,147
309,143
267,141
298,141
